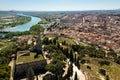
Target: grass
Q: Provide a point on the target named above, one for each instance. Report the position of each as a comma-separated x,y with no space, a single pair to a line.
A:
29,58
62,39
50,36
44,21
93,73
67,40
112,70
83,44
3,43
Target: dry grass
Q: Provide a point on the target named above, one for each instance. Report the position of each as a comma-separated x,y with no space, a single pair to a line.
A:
29,58
112,70
67,40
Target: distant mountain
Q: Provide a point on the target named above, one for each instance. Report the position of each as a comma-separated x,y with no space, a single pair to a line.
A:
37,13
118,9
6,13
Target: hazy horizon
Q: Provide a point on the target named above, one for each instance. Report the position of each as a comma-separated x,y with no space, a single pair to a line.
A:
58,5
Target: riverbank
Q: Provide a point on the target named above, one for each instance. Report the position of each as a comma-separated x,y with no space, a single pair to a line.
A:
12,21
25,26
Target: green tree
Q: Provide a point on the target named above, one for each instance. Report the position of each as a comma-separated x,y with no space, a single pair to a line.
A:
102,71
66,52
71,55
51,68
112,55
54,40
30,74
107,77
46,40
117,60
4,72
100,53
1,36
75,76
9,50
49,77
36,27
11,34
77,63
70,71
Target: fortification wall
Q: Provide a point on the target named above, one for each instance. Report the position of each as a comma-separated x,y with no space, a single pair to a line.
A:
20,69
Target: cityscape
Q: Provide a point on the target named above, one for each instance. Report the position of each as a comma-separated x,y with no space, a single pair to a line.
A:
59,40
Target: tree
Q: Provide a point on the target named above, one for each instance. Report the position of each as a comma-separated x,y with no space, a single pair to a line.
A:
70,71
104,63
100,53
75,76
4,72
102,71
107,77
64,42
117,60
9,50
75,47
30,74
88,67
11,34
77,63
46,40
71,55
54,40
60,56
4,60
1,36
58,45
51,68
56,67
66,52
36,27
112,55
50,77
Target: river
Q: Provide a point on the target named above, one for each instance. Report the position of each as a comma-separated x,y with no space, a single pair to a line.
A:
24,27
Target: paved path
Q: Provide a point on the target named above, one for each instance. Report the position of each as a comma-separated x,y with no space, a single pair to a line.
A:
40,77
47,59
11,64
66,69
80,74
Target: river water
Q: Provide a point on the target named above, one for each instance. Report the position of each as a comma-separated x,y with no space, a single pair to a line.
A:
24,27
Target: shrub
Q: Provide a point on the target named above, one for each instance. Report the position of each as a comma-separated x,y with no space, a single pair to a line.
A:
88,67
104,63
102,71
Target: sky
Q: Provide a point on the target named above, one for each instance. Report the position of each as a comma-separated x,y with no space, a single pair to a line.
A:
59,5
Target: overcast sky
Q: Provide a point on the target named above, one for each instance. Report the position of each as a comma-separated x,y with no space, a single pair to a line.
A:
58,5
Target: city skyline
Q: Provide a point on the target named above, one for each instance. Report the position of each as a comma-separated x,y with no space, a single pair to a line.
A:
58,5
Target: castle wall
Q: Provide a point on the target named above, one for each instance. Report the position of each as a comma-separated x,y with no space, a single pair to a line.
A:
20,69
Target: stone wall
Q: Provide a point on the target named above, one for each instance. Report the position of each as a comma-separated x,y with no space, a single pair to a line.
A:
20,69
